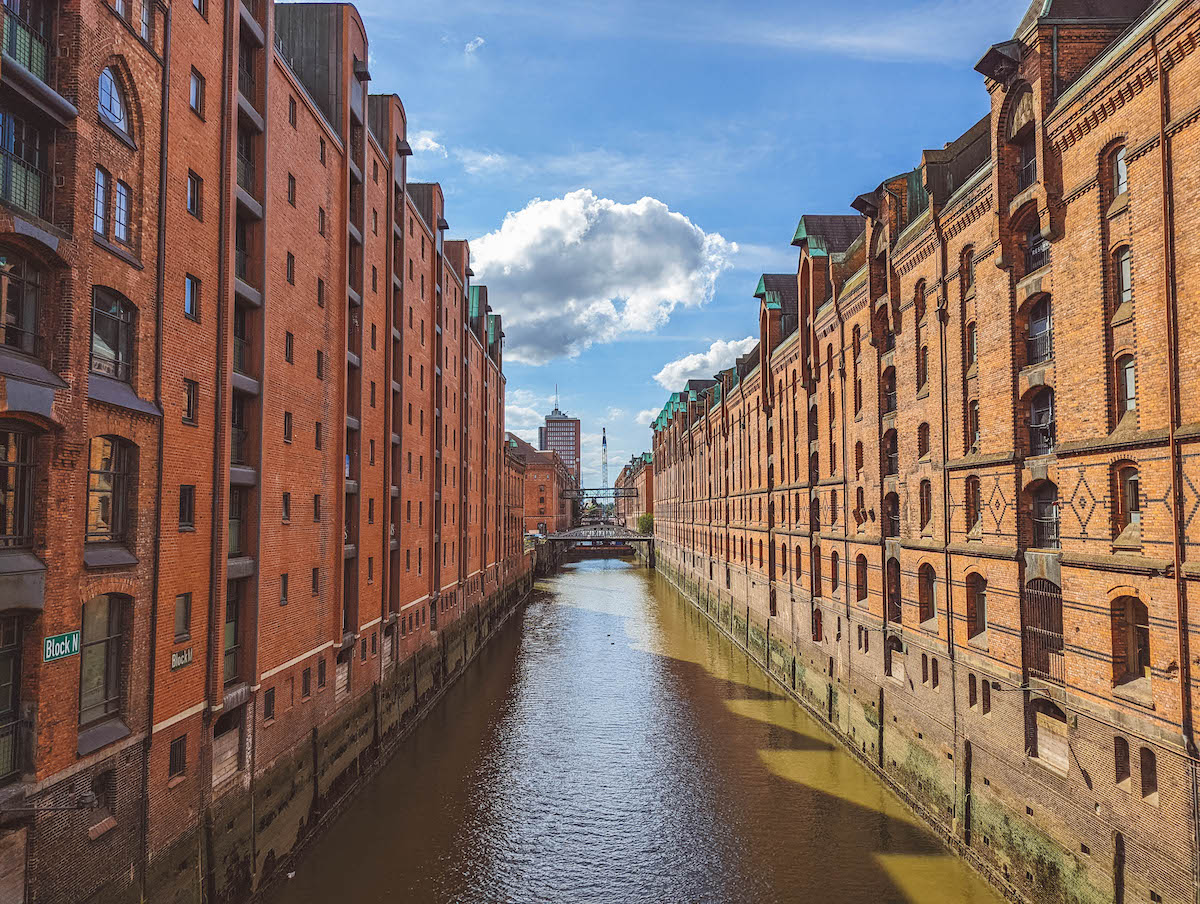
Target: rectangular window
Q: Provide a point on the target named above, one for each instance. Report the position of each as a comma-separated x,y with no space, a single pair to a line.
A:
201,6
100,659
100,204
187,507
291,189
322,155
196,98
371,510
321,672
287,426
191,297
320,365
317,434
283,589
183,616
292,112
178,759
320,292
121,213
195,195
191,401
147,18
291,268
373,394
320,221
317,507
269,705
287,507
370,568
288,344
316,580
306,683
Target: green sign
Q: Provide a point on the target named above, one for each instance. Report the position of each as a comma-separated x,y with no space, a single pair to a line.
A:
60,646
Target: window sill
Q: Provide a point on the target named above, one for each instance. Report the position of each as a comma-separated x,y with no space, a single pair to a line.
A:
117,250
102,827
1136,691
187,528
121,135
107,555
978,641
95,737
1120,203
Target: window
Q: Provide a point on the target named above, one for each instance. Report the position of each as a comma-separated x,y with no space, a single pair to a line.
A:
191,297
858,459
121,213
201,6
973,425
893,658
289,342
320,292
292,112
287,426
1041,422
1042,641
888,386
16,488
973,506
195,190
112,101
922,366
891,515
967,270
191,401
1126,386
860,577
20,303
231,637
177,764
320,365
320,673
100,204
100,658
1130,639
183,616
1127,507
306,683
1037,249
926,593
283,589
1120,172
891,454
321,153
187,507
269,705
834,575
286,507
1121,763
976,605
320,221
147,19
316,580
371,510
971,344
1039,346
922,440
1027,162
110,466
317,507
815,565
291,268
112,334
926,503
1149,771
317,434
196,95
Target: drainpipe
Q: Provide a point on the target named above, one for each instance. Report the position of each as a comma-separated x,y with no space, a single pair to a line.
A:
1185,693
159,280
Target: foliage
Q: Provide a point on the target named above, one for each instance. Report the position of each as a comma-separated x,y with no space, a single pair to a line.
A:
645,523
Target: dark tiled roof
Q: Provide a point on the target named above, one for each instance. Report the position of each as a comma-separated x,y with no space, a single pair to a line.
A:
422,197
1081,10
836,231
784,284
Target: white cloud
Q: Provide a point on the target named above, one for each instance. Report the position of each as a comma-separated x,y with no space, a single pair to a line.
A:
476,162
645,418
614,414
703,365
472,45
572,271
427,141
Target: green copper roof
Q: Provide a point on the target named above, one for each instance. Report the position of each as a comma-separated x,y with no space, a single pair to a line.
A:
473,301
816,244
772,298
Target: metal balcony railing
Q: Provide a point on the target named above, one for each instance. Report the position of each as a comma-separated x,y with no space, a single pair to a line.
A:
1041,438
241,259
245,173
23,185
13,741
235,537
25,45
241,356
889,401
1027,173
1039,348
239,443
1037,255
247,83
1045,530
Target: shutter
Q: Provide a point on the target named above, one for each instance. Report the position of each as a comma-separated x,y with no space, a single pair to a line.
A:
226,750
1052,742
342,679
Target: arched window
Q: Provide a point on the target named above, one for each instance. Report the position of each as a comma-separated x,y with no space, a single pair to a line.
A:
818,633
893,658
924,668
891,515
16,491
922,440
973,425
101,658
970,341
783,558
1121,763
891,454
895,611
926,503
860,576
858,459
888,390
112,334
1127,506
1126,386
1149,769
1042,639
1037,248
816,571
1122,276
1040,345
1041,422
20,303
110,489
835,577
973,503
112,101
1049,728
966,269
976,605
1120,171
1045,516
1022,136
926,593
1130,639
860,507
814,515
922,366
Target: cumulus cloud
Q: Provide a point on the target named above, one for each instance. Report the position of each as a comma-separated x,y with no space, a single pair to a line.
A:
476,162
426,141
645,418
472,45
702,365
580,269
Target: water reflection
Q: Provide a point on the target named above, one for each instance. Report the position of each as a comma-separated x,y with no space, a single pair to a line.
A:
611,745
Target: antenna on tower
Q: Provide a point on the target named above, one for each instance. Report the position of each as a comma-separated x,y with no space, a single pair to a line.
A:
604,459
556,397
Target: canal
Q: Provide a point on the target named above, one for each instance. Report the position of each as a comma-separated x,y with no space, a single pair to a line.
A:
611,745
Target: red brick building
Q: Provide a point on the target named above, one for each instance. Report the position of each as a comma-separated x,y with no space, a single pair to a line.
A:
638,475
546,476
260,382
946,498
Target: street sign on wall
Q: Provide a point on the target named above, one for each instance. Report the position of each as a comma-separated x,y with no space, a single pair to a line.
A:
60,646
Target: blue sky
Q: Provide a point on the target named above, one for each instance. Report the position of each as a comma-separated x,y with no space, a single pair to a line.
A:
626,170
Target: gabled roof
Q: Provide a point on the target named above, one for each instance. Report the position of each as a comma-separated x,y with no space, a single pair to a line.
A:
828,234
778,291
1082,11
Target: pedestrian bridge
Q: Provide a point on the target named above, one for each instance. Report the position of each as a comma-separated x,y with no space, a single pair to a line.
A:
609,533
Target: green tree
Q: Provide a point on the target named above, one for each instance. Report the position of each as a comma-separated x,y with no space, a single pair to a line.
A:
645,523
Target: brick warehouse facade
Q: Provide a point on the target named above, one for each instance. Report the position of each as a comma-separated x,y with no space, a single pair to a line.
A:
950,498
265,345
638,474
546,476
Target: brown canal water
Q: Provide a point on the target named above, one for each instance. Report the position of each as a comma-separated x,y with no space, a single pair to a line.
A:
612,745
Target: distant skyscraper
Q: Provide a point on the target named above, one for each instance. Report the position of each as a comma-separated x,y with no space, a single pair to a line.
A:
561,435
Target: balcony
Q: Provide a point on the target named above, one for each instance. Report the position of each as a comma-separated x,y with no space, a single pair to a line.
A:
14,741
1037,254
245,172
1045,530
241,356
1039,348
23,184
24,44
239,447
1041,438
